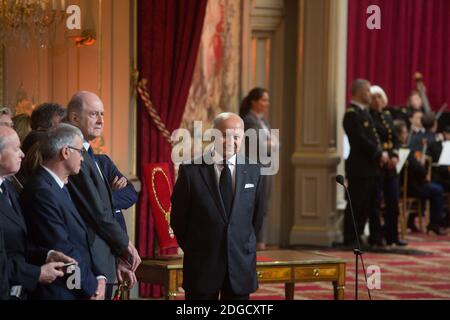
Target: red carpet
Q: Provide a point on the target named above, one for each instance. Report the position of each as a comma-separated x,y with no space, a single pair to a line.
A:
419,271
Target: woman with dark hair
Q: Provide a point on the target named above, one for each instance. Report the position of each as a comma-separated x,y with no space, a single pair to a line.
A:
257,100
252,111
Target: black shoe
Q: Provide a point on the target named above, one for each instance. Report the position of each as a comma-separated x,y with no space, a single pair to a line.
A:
412,227
436,230
377,244
399,242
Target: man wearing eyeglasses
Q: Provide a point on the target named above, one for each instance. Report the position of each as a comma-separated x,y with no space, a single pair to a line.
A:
27,263
53,219
91,193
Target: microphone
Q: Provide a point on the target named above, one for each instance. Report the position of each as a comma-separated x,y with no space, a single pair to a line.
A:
357,252
340,180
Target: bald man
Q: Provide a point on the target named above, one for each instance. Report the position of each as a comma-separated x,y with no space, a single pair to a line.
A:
91,193
363,167
216,212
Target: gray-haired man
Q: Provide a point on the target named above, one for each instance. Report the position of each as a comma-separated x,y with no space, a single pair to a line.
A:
28,264
53,219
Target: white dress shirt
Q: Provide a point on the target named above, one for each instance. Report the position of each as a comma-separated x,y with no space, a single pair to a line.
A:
417,130
55,177
218,166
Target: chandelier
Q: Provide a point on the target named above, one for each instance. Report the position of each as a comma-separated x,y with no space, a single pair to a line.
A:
24,22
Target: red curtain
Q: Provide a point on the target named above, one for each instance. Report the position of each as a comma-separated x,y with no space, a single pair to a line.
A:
414,36
168,41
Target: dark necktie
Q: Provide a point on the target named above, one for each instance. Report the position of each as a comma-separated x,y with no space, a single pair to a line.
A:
226,188
5,193
94,162
91,153
66,191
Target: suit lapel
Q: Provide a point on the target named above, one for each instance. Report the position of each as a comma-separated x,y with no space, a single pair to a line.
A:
11,213
61,193
105,177
96,175
75,213
209,176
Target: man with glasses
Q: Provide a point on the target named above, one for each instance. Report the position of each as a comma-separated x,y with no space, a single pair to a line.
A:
91,193
27,264
53,218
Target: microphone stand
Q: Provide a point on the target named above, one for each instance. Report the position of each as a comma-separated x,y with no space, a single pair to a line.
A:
357,251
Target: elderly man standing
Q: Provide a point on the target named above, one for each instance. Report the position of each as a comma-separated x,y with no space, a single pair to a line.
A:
91,193
53,219
217,210
27,263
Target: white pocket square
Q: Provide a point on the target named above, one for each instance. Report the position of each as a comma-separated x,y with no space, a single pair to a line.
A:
249,185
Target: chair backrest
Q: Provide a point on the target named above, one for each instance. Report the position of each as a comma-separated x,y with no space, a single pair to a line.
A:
158,182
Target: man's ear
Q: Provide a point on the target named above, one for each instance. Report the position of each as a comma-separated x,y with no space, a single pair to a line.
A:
64,153
73,117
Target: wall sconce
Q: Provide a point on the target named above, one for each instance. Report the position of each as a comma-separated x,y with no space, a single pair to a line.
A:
87,38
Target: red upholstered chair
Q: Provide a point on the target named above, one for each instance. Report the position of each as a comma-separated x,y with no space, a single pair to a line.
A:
159,188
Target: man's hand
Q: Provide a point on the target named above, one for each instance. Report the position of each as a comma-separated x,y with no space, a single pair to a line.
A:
392,164
124,274
51,271
384,157
118,184
101,288
132,257
56,256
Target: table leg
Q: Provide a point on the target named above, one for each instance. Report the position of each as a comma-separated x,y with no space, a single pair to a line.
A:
339,285
289,290
171,285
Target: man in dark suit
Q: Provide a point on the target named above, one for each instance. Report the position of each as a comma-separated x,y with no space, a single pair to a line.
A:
43,118
417,133
362,166
91,193
53,219
28,264
216,212
124,195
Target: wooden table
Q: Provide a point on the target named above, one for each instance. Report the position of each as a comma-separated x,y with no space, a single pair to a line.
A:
277,266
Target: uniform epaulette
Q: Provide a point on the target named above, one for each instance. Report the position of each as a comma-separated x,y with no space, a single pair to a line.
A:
351,109
387,112
404,110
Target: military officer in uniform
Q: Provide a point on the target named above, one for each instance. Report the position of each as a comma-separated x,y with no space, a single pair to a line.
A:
363,165
389,184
